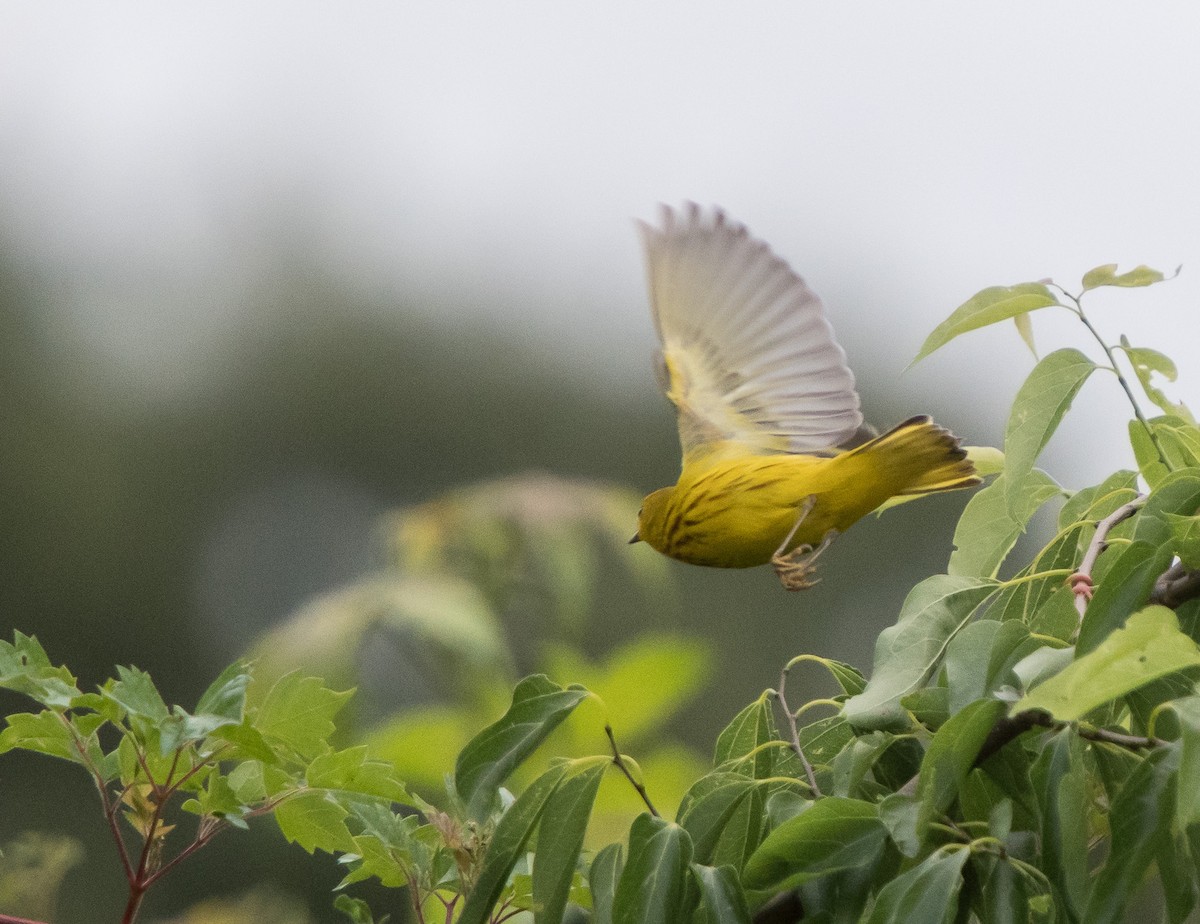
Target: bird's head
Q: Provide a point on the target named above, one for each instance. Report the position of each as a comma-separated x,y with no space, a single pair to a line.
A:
652,519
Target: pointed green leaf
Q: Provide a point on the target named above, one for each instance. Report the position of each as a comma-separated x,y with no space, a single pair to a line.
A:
1123,587
927,893
315,822
1025,329
298,712
832,834
507,843
603,877
25,667
750,728
538,706
1185,539
655,878
989,527
560,838
907,653
1141,825
225,697
1187,810
45,733
1146,364
1037,410
1106,275
721,898
707,808
1148,647
350,771
1059,782
998,303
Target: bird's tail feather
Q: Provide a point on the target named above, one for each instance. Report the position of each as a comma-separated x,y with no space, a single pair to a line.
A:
928,455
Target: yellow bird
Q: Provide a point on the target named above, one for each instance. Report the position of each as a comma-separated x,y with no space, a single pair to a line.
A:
776,458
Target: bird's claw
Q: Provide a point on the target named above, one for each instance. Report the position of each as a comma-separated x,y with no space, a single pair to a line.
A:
795,568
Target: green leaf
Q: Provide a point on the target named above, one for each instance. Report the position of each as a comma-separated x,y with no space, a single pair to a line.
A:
1025,329
25,667
1037,410
989,527
315,822
136,694
358,911
927,893
1148,363
752,727
225,697
707,808
560,838
1106,275
721,898
298,712
1149,646
350,771
538,706
951,755
1124,587
1187,809
1185,539
508,842
603,876
830,835
998,303
907,653
1061,786
45,733
654,881
1140,821
1149,461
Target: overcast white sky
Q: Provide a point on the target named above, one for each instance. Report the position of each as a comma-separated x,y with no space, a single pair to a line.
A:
900,155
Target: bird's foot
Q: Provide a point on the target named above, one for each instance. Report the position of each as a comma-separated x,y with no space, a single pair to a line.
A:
795,568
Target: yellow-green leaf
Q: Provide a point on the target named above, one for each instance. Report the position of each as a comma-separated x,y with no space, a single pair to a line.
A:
994,304
1106,275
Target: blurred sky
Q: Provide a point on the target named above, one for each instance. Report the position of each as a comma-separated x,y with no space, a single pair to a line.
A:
491,157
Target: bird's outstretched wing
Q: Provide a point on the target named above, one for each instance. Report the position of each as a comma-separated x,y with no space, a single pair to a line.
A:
748,357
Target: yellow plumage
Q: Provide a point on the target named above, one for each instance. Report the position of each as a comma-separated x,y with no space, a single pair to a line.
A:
776,459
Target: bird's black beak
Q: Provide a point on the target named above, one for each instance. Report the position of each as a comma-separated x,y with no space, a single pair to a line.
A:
636,538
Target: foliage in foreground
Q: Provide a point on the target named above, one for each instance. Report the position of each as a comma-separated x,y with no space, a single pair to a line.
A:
1027,747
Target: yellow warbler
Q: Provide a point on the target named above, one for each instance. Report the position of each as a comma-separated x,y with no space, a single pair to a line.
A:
776,459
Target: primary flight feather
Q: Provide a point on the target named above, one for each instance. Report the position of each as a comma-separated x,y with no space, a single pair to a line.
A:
776,458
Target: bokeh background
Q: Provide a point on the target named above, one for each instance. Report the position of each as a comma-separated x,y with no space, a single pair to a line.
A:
269,271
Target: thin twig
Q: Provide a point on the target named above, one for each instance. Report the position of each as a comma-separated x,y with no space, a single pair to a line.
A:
791,720
620,762
9,919
1081,580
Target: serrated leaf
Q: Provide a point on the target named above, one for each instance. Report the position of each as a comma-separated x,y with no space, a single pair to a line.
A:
25,667
908,652
44,732
507,843
315,822
1148,647
721,898
351,771
560,838
603,876
927,893
298,712
1040,404
830,835
538,706
991,305
1107,275
990,526
225,697
655,878
136,694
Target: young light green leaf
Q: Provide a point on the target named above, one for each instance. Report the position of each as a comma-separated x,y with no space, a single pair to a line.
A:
1025,329
1106,275
951,755
654,881
315,822
44,732
25,667
989,527
507,843
927,893
721,898
998,303
603,876
1037,410
538,706
1148,647
298,712
560,837
1146,364
350,771
1146,452
1141,822
908,652
832,834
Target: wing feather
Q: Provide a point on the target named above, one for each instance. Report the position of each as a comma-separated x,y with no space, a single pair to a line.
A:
749,357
